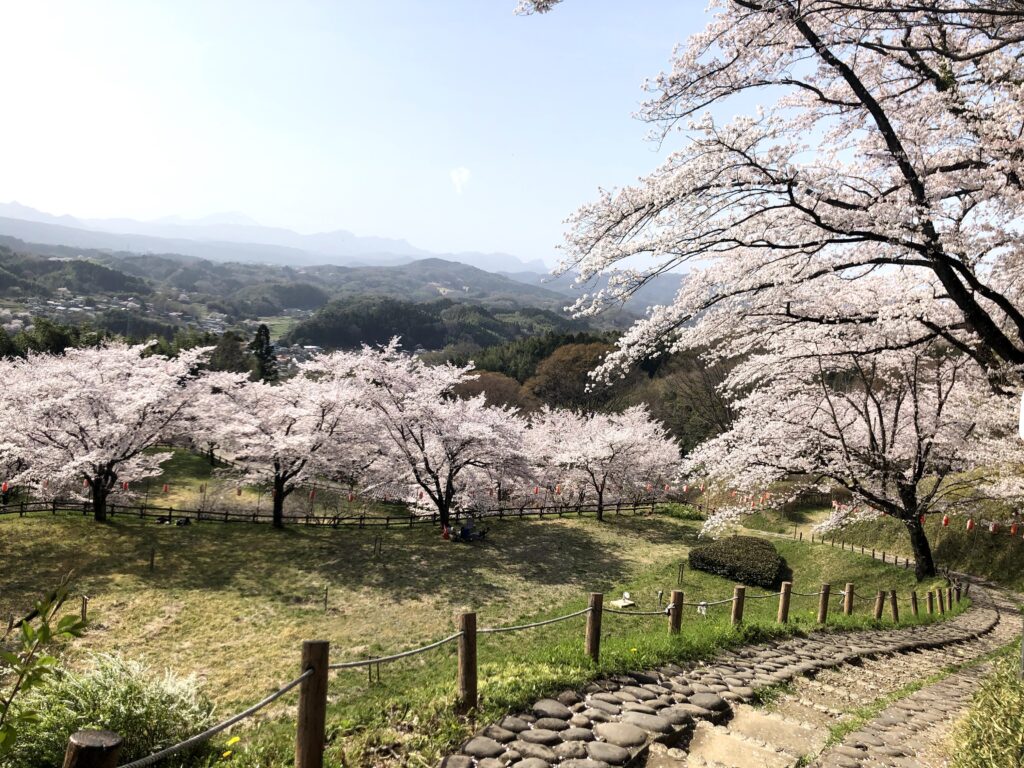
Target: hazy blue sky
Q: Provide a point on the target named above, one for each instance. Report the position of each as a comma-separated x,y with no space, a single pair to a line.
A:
452,123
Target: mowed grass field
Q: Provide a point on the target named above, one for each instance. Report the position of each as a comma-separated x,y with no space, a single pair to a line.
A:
231,604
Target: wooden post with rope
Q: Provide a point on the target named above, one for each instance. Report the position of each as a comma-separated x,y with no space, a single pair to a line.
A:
783,616
675,614
739,593
593,637
310,732
467,692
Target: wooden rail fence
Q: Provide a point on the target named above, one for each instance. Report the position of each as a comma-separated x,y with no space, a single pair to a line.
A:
228,515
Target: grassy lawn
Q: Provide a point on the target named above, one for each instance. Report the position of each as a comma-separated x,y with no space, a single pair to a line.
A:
799,519
232,603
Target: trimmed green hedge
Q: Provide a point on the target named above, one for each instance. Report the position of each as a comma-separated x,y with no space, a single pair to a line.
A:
744,559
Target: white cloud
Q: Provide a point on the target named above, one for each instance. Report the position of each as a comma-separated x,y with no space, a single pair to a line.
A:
460,178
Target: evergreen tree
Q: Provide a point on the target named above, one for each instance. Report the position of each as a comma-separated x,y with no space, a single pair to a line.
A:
7,346
263,358
228,354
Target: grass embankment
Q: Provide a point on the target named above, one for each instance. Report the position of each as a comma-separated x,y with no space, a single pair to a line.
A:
991,734
231,603
998,557
793,519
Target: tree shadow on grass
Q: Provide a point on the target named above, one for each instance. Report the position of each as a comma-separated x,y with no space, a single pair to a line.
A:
404,563
255,560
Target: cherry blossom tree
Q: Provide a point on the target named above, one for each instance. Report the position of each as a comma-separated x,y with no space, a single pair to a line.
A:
85,421
903,430
288,434
441,447
607,453
888,139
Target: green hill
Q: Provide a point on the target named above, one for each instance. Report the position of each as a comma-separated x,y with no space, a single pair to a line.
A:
32,275
348,323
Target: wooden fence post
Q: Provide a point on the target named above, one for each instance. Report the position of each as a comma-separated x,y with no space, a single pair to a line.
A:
883,555
848,599
931,602
675,614
942,600
466,697
879,604
85,608
956,589
823,597
949,597
913,603
894,607
783,616
593,636
739,594
310,731
92,749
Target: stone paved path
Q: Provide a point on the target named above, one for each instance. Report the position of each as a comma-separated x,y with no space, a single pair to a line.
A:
906,734
676,717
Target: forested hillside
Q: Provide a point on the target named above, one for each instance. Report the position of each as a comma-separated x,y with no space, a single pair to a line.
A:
346,324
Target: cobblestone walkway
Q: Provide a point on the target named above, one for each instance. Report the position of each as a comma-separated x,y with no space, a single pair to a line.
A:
696,717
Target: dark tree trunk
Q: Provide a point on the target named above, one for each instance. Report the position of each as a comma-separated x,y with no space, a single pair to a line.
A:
600,504
445,500
99,500
925,567
278,500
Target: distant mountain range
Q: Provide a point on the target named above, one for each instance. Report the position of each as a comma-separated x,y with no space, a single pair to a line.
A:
233,237
349,263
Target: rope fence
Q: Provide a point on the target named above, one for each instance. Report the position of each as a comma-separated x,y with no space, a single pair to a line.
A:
708,604
86,747
499,630
663,612
394,656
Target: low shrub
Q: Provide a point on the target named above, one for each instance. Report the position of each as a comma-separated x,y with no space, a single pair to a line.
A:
150,712
744,559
